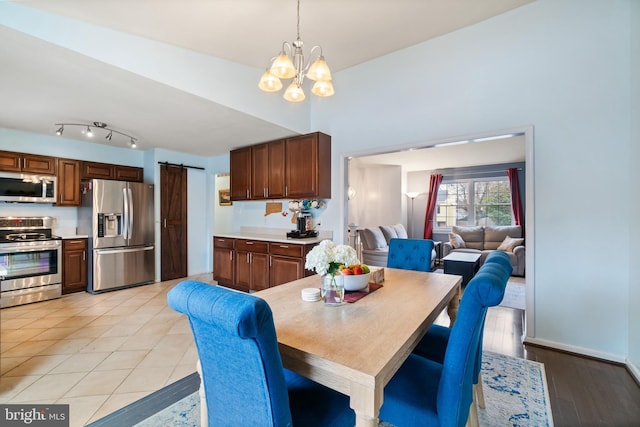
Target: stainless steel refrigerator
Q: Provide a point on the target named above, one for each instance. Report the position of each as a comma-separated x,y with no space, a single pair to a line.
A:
118,217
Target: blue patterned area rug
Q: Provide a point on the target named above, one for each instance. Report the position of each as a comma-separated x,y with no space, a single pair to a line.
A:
515,392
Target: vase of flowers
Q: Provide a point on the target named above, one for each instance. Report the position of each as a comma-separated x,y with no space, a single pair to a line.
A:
326,259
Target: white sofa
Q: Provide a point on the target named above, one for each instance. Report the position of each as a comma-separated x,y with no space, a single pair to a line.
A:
375,243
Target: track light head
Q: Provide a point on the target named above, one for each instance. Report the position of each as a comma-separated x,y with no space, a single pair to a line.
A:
89,133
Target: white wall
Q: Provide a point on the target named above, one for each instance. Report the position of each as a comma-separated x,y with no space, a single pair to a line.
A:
634,212
525,67
378,199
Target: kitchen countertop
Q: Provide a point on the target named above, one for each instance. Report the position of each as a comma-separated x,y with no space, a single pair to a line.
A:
72,236
279,238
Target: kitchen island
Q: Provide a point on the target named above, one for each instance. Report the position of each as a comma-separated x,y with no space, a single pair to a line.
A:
253,260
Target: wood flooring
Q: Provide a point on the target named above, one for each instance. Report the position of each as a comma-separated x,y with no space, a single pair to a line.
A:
584,392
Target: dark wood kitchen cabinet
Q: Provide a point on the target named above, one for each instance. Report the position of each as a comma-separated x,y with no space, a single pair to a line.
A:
287,262
267,170
292,168
74,265
223,260
96,170
308,166
68,183
252,265
240,173
31,163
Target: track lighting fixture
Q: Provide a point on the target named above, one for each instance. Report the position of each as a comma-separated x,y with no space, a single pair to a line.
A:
88,132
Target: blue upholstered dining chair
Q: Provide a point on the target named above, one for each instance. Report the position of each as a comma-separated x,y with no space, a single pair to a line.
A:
427,393
434,344
411,254
244,381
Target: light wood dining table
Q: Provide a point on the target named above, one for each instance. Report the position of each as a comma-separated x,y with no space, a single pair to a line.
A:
355,348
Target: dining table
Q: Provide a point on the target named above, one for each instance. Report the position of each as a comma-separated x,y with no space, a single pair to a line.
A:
355,348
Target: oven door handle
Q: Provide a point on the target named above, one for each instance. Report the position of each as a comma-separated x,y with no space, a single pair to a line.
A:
9,248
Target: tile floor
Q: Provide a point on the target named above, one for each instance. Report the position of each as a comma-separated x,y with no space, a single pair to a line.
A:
97,353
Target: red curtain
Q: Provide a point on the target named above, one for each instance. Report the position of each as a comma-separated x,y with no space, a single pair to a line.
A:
434,184
516,203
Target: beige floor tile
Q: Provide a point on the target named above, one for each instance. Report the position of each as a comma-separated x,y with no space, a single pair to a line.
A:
67,346
80,362
180,372
145,380
141,342
11,386
37,365
115,402
81,409
21,335
54,333
8,363
181,326
106,320
76,321
46,322
98,383
48,388
6,346
122,330
8,324
122,359
104,344
90,331
28,348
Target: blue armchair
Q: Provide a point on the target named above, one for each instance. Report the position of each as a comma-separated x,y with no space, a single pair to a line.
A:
244,381
434,344
411,254
427,393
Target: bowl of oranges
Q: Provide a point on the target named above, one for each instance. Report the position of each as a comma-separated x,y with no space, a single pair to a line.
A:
355,276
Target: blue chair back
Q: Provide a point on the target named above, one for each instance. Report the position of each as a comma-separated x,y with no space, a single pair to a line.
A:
455,392
410,254
236,340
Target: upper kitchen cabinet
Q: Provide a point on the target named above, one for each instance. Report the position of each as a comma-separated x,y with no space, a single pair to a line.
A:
240,171
308,166
30,163
267,170
96,170
68,183
298,167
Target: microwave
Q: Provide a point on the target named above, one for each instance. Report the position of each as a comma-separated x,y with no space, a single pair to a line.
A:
22,187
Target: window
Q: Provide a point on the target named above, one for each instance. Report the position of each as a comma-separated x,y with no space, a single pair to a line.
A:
474,202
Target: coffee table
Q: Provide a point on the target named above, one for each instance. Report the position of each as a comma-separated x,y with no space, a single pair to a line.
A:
463,264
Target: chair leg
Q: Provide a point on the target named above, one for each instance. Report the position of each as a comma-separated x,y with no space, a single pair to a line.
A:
472,420
204,416
479,392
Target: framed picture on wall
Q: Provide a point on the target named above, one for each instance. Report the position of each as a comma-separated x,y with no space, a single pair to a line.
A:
224,197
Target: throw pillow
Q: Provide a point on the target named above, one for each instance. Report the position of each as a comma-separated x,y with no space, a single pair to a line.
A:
388,232
456,241
509,243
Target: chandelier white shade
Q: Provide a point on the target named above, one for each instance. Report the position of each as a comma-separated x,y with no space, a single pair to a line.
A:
290,64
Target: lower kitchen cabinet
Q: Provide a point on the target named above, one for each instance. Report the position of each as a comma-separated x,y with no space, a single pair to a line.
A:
223,262
74,265
253,265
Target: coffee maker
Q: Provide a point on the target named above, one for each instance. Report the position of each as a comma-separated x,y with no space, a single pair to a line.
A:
304,226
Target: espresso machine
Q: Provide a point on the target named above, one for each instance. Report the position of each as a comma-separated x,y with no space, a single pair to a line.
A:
304,226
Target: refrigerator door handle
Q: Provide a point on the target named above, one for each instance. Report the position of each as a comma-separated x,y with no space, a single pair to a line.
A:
119,251
131,214
125,220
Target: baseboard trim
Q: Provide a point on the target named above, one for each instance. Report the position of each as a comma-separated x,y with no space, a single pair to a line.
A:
579,351
634,371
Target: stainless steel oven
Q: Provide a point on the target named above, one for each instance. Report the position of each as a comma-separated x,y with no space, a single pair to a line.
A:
30,262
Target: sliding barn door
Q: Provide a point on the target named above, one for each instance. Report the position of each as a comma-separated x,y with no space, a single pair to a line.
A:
173,227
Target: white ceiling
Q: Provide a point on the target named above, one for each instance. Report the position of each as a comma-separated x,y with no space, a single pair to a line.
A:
42,83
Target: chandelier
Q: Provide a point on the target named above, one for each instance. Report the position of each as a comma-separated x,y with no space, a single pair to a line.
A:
289,64
88,132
